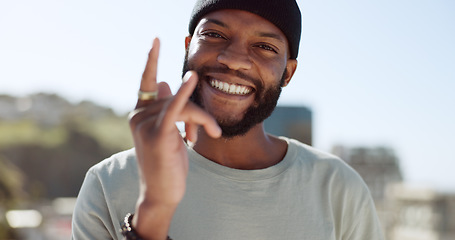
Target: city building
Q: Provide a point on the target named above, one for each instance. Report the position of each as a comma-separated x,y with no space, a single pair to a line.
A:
420,213
291,121
406,212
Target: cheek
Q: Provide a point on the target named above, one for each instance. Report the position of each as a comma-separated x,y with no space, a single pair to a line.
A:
193,49
270,67
193,54
272,73
198,53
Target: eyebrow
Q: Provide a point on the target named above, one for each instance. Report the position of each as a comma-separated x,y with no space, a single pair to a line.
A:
270,35
217,22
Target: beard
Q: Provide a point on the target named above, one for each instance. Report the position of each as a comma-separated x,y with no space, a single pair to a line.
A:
265,100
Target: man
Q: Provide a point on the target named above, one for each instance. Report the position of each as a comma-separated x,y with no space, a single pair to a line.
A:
227,178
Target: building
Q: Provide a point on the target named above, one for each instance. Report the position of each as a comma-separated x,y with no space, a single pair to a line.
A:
420,213
378,167
291,121
405,212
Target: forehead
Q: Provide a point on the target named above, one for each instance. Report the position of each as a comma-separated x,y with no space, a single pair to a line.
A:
240,20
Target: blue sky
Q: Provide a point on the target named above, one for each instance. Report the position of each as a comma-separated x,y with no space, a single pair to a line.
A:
374,73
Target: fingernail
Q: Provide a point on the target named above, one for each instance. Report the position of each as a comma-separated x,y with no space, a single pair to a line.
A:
220,131
187,76
155,41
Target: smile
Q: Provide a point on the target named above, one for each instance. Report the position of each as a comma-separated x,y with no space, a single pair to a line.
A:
230,88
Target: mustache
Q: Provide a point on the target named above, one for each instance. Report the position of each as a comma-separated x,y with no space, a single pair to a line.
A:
203,70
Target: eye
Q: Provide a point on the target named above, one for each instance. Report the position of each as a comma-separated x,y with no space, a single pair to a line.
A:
212,34
267,47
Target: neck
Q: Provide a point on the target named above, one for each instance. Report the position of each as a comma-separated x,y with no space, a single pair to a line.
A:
254,150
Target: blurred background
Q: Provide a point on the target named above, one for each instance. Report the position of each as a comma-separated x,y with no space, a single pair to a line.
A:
374,86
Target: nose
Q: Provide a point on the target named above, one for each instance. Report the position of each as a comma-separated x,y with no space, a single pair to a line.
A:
235,57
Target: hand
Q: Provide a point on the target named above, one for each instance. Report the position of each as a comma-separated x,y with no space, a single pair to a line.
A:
161,153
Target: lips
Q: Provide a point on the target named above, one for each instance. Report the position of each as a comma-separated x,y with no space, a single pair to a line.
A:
229,88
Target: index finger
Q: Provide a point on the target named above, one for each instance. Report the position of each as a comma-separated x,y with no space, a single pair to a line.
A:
148,81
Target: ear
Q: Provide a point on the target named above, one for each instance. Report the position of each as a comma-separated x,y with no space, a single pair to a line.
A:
187,42
291,66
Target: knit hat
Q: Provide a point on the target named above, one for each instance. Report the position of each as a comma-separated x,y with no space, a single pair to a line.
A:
285,14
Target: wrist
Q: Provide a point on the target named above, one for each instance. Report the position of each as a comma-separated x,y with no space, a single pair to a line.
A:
152,221
129,232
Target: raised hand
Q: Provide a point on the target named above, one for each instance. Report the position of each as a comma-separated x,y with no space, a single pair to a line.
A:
161,152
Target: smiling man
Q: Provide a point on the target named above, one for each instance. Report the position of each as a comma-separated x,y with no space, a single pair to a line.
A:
227,178
251,74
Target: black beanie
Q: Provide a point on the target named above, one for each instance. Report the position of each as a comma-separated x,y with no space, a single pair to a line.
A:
285,14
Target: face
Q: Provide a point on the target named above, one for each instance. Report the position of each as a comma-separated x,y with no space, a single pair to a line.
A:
242,63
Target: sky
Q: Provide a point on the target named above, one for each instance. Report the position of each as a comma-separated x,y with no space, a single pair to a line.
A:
374,73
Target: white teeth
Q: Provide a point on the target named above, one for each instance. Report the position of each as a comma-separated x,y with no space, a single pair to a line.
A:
226,87
238,89
230,88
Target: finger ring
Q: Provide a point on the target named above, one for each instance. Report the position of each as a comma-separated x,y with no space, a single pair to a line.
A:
144,96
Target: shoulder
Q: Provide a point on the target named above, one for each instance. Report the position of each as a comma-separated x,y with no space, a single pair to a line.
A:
109,191
343,189
115,176
304,151
325,167
120,164
317,159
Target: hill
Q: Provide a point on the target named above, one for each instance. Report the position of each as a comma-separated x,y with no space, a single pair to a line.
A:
50,143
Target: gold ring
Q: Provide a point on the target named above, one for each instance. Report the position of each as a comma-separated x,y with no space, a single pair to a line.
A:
145,96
